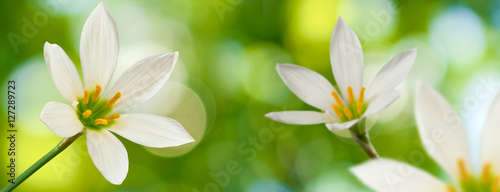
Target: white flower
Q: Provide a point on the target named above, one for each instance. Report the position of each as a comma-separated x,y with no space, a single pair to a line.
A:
343,111
446,142
94,112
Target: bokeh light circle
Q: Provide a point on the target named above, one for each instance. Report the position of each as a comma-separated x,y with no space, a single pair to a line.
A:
260,61
458,33
179,102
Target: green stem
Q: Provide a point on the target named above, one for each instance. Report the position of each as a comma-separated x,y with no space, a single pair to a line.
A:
360,135
41,162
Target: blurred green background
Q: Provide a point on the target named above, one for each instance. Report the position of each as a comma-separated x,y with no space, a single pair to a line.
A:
225,81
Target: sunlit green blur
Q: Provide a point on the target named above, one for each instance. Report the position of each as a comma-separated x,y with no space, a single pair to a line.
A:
225,81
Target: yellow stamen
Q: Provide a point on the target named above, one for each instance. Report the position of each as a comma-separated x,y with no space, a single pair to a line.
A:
86,96
87,113
337,111
347,113
101,121
351,95
494,185
361,95
113,100
97,92
486,173
463,171
337,99
112,117
451,188
359,106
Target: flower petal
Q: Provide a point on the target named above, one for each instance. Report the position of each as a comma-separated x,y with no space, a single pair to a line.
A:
61,119
490,144
63,72
108,154
387,175
99,48
141,81
341,126
392,74
381,102
300,117
151,130
346,57
308,85
441,130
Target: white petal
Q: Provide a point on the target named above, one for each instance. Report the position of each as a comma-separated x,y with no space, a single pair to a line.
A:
308,85
151,130
61,119
392,74
341,126
63,72
108,154
99,48
381,102
300,117
141,81
386,175
490,143
441,130
346,56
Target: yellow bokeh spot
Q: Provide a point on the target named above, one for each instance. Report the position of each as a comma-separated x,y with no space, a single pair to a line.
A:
316,19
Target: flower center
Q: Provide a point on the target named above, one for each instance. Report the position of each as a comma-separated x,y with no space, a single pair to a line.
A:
93,111
488,182
354,109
